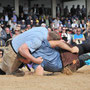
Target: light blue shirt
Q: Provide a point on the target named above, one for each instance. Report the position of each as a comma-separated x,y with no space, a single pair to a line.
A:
33,38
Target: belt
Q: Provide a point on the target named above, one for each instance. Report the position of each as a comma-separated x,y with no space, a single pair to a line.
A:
12,46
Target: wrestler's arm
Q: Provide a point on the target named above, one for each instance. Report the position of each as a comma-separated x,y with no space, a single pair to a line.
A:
24,51
63,45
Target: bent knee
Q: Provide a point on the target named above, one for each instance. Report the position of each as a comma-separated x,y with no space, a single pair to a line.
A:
39,70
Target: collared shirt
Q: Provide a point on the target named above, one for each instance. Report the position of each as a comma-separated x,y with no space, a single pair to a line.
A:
33,38
51,56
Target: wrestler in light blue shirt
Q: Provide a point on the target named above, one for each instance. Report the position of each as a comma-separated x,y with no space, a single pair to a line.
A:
33,38
51,57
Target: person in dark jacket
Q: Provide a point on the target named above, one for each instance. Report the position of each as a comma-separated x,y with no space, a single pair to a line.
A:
3,36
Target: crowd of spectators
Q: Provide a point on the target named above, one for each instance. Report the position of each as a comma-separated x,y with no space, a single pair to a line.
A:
73,26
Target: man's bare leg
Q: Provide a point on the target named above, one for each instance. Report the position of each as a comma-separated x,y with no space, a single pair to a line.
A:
39,70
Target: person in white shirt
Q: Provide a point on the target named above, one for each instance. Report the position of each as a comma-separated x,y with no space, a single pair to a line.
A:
74,24
6,19
56,22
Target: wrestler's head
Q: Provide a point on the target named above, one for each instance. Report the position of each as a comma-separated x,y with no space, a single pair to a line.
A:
53,35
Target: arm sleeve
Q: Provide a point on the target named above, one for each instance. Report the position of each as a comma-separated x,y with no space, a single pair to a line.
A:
34,44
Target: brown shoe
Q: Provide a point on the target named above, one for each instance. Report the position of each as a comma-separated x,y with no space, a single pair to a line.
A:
67,71
18,73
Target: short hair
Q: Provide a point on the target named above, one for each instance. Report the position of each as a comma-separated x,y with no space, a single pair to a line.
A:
54,35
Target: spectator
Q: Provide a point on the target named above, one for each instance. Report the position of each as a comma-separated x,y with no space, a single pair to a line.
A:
13,26
52,25
69,37
47,21
37,21
17,32
1,10
77,20
83,10
87,32
32,23
66,11
21,17
74,24
6,18
2,20
85,19
9,11
28,26
58,10
29,18
14,17
19,26
78,38
64,34
83,25
56,22
66,20
37,9
10,23
3,36
42,19
60,31
34,9
42,9
62,20
23,24
88,23
73,10
68,24
25,10
78,11
9,34
60,24
43,25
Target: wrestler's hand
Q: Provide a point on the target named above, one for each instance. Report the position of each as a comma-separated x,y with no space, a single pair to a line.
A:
40,60
24,60
75,49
